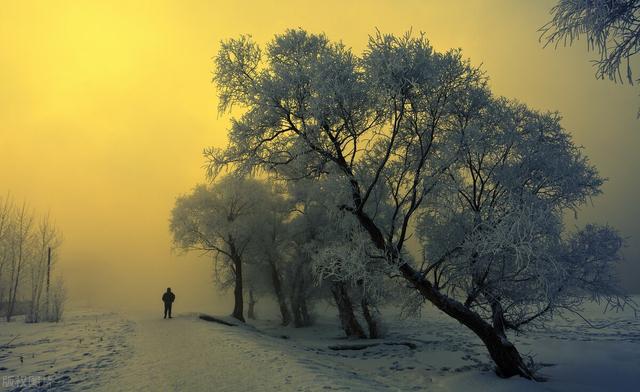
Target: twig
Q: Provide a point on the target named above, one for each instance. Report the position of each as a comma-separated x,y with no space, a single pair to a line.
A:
589,322
6,345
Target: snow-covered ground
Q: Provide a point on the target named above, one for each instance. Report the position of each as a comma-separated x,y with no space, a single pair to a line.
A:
69,355
114,352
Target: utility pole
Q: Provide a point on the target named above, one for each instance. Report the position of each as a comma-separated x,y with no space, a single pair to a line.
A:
48,280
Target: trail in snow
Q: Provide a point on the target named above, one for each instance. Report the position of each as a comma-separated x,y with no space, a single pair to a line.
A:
186,353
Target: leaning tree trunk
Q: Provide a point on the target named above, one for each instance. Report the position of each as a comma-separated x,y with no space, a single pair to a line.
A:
277,288
348,319
504,354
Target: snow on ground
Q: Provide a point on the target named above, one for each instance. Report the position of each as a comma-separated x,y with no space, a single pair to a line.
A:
111,352
69,355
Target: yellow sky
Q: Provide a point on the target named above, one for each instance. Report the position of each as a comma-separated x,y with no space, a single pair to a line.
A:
105,107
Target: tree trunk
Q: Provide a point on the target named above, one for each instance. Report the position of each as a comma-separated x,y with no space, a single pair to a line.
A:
46,315
252,306
13,292
277,288
304,312
504,354
299,309
348,319
372,323
297,305
238,309
298,299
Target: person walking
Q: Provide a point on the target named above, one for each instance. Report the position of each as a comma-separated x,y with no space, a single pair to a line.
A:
168,297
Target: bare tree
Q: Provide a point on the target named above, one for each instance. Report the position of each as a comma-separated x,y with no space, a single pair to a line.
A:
45,243
19,253
25,250
6,210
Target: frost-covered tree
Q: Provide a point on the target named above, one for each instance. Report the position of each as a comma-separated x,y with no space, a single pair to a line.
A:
328,239
221,219
344,257
387,124
299,279
494,235
242,222
19,251
610,27
269,253
304,228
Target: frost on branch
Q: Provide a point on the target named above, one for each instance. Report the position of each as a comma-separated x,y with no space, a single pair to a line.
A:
494,236
344,252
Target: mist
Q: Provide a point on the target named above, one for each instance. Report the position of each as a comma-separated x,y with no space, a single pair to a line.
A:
110,133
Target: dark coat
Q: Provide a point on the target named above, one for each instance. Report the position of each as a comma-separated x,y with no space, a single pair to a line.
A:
168,297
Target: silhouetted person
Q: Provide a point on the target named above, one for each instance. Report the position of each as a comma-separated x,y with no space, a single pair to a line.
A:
168,297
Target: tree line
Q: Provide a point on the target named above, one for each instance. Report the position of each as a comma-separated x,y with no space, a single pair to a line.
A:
28,254
267,239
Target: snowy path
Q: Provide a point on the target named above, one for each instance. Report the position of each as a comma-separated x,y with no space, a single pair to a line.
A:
186,353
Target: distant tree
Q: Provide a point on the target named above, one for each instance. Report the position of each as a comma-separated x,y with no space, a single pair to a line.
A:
269,246
304,227
298,280
343,257
611,28
6,208
20,251
221,218
317,229
387,124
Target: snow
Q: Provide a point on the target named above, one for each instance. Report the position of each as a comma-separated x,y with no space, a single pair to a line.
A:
122,352
62,356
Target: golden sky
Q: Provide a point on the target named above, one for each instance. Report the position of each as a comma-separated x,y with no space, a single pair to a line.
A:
105,107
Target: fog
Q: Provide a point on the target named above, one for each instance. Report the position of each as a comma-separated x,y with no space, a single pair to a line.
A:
105,109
